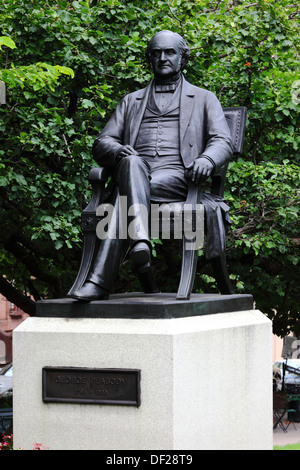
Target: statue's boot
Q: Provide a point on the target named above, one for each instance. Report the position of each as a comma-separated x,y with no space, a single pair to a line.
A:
90,291
140,255
141,261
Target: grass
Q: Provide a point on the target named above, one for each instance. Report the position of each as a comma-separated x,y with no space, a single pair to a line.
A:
288,447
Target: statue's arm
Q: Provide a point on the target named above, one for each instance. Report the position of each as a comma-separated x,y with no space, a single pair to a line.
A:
110,141
219,146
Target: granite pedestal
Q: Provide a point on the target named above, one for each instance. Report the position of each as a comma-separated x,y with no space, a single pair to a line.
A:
204,379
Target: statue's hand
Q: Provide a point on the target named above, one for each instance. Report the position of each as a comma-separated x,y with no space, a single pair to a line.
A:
126,150
201,169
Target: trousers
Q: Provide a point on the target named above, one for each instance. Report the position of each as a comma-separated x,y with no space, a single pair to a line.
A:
141,180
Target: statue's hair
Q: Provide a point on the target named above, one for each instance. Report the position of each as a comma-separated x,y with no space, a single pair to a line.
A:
184,48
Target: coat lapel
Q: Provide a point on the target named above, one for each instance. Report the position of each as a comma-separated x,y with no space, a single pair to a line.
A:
137,113
187,102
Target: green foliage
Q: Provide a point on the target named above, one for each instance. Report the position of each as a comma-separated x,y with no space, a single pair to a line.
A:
288,447
264,241
66,65
36,77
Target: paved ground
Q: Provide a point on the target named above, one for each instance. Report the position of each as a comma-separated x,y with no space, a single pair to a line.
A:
292,436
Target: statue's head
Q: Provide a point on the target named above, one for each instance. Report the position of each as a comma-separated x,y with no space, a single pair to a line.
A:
167,53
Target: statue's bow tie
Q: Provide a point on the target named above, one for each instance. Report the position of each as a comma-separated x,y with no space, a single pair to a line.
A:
168,88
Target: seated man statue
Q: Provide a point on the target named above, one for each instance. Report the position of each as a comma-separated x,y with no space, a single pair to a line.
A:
154,136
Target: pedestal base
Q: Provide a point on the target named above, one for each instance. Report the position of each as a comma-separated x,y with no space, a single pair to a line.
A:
140,305
205,382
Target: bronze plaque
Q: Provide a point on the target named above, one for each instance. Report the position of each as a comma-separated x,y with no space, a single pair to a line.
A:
91,386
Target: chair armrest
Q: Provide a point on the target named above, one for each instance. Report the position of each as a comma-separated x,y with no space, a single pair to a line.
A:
218,181
100,174
97,177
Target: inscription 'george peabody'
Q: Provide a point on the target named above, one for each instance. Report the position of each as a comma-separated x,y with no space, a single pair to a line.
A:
91,386
92,380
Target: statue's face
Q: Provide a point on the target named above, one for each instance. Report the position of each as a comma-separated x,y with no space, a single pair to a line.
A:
165,56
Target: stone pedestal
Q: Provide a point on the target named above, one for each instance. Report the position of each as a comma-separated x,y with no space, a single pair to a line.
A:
205,382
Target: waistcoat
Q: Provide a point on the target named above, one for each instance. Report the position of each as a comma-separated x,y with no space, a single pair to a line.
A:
159,131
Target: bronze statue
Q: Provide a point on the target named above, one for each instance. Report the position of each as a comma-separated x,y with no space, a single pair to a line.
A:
157,139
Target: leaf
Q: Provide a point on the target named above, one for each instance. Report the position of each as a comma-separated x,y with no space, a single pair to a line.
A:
87,103
58,244
65,70
5,41
65,16
20,179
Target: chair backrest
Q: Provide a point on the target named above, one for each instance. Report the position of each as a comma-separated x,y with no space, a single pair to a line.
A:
236,120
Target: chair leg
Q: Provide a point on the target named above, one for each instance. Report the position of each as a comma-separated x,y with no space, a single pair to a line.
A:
188,272
290,418
221,275
89,245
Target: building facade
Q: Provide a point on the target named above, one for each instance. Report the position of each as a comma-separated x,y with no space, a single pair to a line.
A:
10,317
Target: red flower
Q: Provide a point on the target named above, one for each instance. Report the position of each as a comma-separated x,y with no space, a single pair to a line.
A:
248,64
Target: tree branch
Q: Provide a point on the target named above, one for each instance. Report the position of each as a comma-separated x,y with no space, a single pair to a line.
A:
31,264
17,297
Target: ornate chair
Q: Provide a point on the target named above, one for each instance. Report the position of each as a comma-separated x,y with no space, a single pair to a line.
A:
236,118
